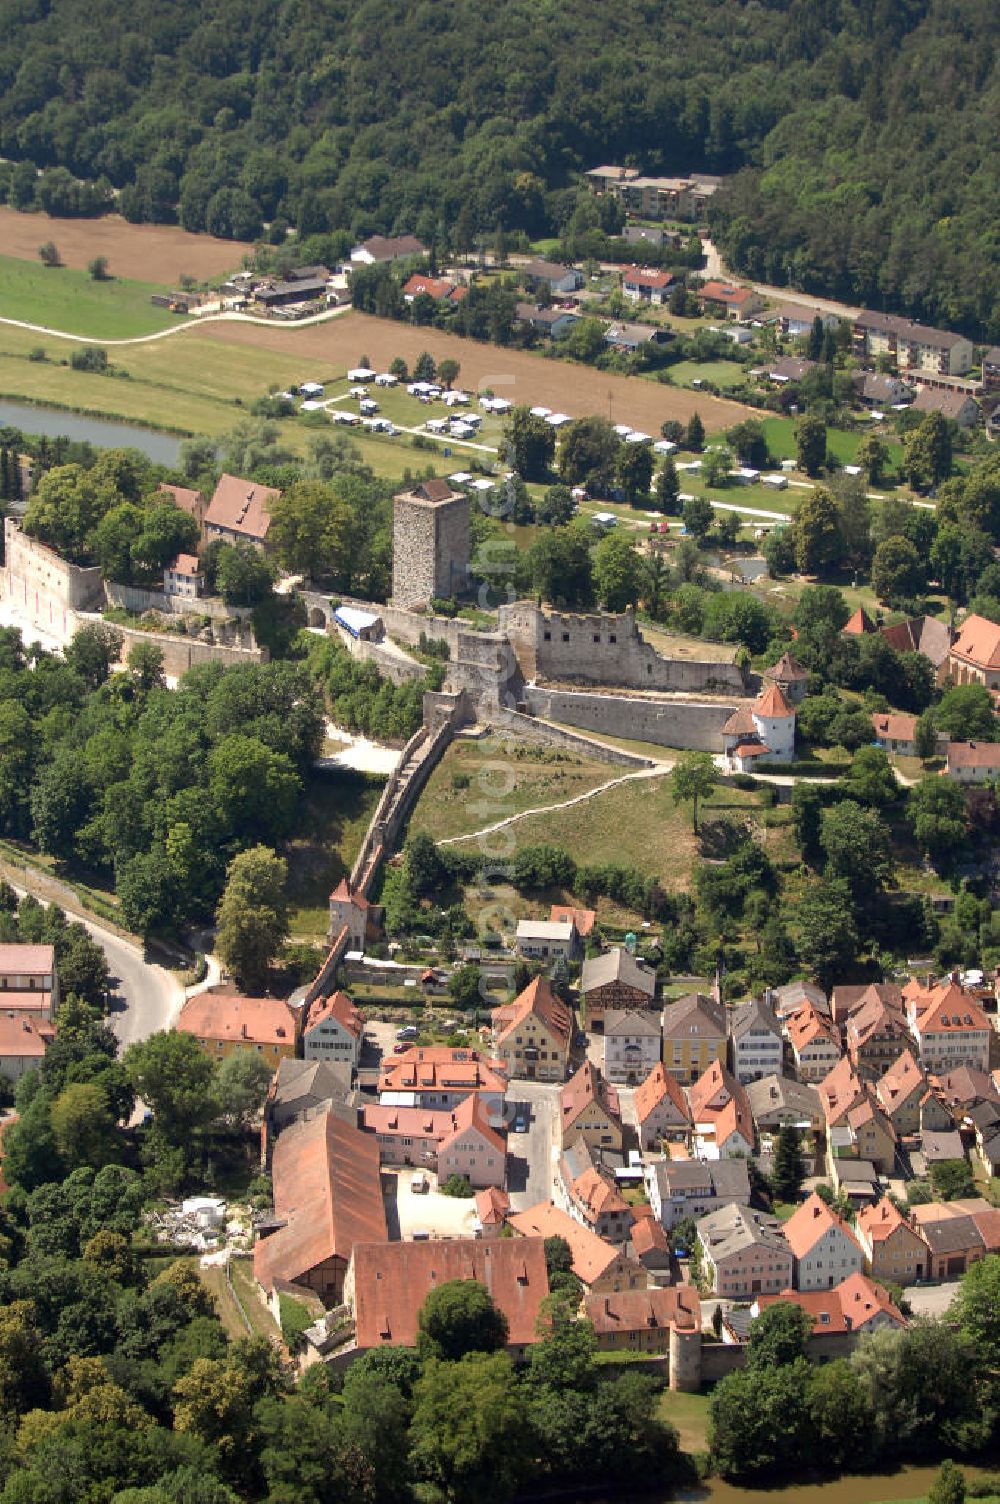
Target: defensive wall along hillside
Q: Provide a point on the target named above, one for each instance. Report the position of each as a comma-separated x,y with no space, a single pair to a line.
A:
689,724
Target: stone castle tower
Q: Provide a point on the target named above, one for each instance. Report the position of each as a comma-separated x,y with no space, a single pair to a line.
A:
430,543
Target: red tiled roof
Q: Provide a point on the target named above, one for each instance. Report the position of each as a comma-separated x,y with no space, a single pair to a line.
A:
27,960
771,704
252,1020
21,1038
328,1189
858,623
472,1114
725,292
894,726
584,919
538,998
591,1254
787,668
978,641
439,1068
588,1085
597,1196
740,723
186,564
881,1221
337,1006
947,1009
809,1222
648,1235
492,1206
25,1002
344,893
713,1089
651,1092
839,1090
848,1307
900,1081
392,1281
241,506
973,755
437,288
644,1310
807,1025
643,276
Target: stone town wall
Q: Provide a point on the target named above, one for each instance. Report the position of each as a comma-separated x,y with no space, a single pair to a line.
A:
44,587
601,648
391,665
668,723
527,728
181,653
134,598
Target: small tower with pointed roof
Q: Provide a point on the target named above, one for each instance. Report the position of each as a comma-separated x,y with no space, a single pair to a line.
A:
790,676
775,722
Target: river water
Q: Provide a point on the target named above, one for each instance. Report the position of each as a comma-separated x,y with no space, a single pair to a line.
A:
882,1488
161,448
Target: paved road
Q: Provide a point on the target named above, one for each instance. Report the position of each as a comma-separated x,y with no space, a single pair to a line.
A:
532,1154
931,1300
146,996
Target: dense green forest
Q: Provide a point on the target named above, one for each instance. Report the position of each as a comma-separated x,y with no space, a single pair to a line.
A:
861,132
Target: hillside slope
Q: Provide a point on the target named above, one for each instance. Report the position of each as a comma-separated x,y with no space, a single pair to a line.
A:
866,128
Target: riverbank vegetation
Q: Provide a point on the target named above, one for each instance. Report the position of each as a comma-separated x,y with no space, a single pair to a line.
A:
902,1396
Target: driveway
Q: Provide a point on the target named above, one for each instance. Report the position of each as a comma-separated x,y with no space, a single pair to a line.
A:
931,1300
531,1154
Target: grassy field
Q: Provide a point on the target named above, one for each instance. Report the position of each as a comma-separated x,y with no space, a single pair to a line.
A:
635,824
61,297
504,778
688,1413
780,434
725,374
192,385
338,807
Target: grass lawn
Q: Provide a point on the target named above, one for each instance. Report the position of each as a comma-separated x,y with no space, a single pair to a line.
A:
638,825
689,1414
192,385
780,434
336,812
62,298
504,778
721,373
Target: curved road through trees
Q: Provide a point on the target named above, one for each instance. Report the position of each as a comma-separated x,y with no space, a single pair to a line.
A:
146,997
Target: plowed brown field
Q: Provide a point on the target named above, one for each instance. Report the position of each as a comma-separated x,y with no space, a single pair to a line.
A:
518,374
148,253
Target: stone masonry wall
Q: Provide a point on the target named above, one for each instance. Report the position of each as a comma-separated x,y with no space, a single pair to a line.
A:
609,649
181,653
45,588
430,548
668,723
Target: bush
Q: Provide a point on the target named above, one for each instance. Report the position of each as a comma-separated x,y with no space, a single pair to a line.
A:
294,1320
37,353
460,781
744,781
90,358
457,1185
